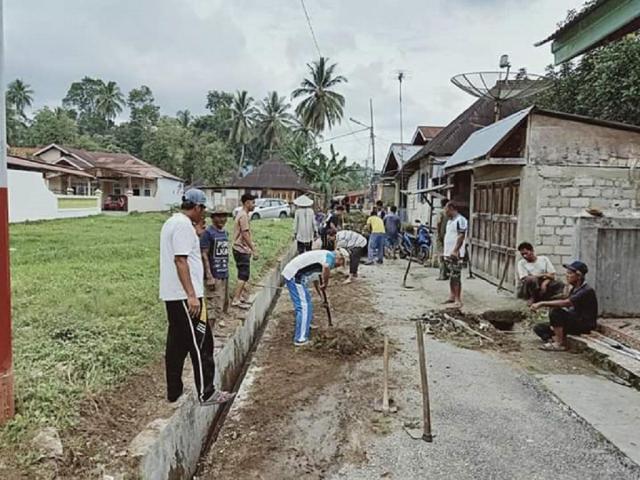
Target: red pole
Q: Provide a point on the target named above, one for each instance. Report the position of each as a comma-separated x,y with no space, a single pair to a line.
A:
7,407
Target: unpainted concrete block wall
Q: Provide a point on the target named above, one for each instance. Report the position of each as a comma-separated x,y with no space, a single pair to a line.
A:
564,192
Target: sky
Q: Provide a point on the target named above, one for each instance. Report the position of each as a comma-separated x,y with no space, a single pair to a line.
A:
182,49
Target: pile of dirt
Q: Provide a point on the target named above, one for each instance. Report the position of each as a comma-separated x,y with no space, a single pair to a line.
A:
467,331
348,341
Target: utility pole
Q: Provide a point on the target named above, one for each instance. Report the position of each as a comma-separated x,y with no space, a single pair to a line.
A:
7,407
399,193
373,139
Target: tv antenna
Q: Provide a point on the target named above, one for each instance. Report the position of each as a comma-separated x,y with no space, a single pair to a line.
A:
501,85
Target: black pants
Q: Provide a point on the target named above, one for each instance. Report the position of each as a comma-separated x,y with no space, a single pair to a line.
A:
569,321
355,254
188,335
304,247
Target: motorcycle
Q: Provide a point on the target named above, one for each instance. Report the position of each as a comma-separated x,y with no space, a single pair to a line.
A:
416,243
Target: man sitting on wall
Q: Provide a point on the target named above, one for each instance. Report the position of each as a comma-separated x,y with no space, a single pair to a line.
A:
573,315
537,276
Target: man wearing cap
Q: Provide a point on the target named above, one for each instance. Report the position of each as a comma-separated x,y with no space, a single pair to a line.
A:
301,271
214,245
304,226
573,315
182,290
243,249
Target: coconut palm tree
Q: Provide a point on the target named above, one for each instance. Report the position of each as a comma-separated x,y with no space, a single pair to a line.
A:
321,106
19,96
243,115
273,120
109,101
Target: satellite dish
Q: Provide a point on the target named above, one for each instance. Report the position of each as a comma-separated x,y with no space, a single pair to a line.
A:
502,85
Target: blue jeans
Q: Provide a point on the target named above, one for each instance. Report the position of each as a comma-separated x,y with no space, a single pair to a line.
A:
376,247
301,298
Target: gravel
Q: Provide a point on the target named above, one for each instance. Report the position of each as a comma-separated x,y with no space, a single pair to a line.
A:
490,420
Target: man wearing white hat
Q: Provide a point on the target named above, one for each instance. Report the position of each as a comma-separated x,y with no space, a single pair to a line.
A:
304,225
301,271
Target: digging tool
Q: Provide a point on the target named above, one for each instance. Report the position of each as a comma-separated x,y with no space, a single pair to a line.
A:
464,326
425,434
426,409
326,305
387,405
406,273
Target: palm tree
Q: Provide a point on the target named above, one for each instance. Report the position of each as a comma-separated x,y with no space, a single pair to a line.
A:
321,106
184,118
109,101
329,173
273,120
242,119
20,96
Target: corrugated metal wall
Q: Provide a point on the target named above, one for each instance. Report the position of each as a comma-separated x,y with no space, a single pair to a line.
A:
617,284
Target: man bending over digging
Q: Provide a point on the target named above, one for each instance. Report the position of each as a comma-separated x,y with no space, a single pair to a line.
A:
298,273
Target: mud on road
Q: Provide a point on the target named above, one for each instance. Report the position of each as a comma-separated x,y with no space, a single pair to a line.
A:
302,412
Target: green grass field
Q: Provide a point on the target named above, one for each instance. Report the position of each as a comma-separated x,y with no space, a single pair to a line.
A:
86,311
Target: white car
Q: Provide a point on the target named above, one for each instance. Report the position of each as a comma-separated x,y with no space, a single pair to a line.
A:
268,208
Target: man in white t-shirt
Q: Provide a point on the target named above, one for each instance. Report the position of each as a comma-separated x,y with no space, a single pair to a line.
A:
298,274
454,251
536,276
182,290
352,242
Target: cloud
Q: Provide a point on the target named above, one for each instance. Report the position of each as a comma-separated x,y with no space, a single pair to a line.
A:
183,48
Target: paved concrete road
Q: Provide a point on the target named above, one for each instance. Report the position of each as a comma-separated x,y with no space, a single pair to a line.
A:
491,420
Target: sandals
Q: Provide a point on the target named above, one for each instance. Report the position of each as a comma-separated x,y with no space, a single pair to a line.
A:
553,347
218,398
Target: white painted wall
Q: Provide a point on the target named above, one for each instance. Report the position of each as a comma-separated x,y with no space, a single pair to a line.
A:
30,199
169,193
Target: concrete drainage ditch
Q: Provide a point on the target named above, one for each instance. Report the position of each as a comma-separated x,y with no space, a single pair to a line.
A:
173,446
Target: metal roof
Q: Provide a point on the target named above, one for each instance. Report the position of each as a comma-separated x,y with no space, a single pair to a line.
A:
482,142
40,166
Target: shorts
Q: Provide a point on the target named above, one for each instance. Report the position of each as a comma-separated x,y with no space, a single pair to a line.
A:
454,267
243,264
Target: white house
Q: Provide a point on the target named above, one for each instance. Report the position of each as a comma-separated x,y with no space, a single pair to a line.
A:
122,181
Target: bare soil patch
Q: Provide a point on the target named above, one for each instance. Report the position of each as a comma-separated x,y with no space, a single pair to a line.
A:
306,409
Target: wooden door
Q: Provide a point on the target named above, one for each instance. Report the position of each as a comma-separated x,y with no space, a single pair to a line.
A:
494,226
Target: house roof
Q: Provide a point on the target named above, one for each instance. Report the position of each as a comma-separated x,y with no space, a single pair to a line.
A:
23,152
399,154
19,163
480,114
123,163
274,174
599,22
427,133
481,142
486,140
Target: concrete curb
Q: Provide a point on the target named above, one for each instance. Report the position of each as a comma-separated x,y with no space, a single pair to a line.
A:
176,449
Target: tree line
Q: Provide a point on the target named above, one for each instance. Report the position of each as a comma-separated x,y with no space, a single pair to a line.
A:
237,133
604,84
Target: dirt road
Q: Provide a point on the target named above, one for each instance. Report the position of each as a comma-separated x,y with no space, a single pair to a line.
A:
308,413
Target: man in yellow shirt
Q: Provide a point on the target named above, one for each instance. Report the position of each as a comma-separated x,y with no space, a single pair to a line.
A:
375,225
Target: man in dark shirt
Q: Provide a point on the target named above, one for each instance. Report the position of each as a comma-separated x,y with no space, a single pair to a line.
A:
214,244
392,226
573,315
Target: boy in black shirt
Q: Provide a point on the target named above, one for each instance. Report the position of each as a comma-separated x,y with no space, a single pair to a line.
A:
573,315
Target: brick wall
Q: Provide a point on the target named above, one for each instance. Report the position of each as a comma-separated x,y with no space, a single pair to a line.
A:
563,195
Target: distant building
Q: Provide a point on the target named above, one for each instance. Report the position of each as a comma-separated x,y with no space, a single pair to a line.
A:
272,179
124,182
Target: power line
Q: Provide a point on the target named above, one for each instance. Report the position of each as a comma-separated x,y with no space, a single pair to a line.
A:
313,35
344,135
